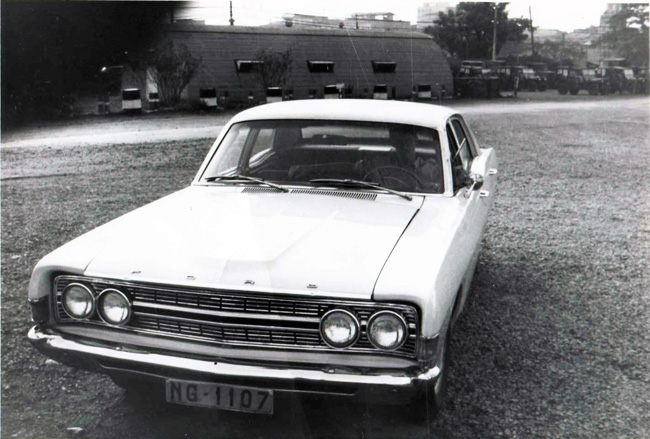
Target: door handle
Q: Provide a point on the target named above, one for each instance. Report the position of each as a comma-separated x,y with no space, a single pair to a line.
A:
492,171
484,194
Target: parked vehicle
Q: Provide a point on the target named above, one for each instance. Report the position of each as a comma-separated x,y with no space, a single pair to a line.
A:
528,79
641,80
615,79
474,79
593,82
324,247
508,82
630,80
546,76
568,80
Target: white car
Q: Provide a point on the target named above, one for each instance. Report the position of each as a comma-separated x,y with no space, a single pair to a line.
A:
324,246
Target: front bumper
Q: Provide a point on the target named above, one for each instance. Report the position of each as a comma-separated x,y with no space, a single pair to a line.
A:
142,364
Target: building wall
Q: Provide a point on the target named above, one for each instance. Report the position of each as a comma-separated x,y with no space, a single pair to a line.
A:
428,12
419,60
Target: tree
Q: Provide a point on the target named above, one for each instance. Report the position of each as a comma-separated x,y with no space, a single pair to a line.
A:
628,34
561,51
466,32
274,69
171,67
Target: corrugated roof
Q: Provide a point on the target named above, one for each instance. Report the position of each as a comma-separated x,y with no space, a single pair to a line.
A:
345,32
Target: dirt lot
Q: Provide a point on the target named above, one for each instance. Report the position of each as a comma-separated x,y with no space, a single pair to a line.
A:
555,341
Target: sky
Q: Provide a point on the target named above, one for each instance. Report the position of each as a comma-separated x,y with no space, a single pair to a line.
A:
547,14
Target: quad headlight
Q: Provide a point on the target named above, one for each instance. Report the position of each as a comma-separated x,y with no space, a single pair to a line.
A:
113,307
387,330
78,301
339,328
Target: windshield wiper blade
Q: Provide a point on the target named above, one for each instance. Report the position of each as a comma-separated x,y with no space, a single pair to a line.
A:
247,178
358,183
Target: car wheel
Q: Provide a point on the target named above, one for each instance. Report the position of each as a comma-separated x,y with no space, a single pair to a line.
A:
562,89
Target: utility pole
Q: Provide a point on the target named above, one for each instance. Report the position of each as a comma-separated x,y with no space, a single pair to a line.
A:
532,31
232,20
356,17
494,33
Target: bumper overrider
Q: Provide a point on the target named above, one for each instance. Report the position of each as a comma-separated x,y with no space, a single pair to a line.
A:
152,365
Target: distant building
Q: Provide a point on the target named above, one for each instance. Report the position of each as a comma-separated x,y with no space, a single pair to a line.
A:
307,21
589,37
355,62
376,21
428,12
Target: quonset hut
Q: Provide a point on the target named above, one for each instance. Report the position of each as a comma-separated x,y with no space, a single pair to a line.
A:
352,63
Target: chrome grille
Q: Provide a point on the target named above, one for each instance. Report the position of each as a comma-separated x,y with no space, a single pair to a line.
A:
236,318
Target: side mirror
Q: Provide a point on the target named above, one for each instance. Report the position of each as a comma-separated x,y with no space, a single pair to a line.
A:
476,182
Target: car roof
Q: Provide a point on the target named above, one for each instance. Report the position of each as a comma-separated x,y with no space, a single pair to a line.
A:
370,110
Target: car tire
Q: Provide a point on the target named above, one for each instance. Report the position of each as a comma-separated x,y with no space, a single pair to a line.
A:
593,89
562,89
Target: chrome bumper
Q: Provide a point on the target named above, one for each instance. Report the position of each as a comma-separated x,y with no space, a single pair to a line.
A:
105,358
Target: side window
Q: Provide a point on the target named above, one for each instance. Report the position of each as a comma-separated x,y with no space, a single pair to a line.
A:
456,162
464,150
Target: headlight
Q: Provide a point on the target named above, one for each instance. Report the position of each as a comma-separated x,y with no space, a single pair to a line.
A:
339,328
387,330
113,307
78,301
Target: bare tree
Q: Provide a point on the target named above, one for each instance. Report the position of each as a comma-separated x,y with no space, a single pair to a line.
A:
274,69
171,67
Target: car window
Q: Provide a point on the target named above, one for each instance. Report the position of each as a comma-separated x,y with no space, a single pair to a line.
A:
465,152
397,156
456,161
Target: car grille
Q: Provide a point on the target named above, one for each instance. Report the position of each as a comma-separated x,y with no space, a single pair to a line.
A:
238,319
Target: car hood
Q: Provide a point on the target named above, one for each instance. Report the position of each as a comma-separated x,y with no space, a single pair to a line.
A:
226,237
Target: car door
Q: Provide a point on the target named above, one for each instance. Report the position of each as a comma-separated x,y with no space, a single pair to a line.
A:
474,182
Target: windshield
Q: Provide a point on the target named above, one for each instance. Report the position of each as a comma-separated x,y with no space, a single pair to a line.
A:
295,152
589,73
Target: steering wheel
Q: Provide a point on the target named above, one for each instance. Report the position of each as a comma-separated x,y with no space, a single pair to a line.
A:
412,176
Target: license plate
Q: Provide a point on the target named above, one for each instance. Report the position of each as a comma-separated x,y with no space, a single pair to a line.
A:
220,396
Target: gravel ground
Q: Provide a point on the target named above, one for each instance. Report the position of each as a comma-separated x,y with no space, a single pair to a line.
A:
554,341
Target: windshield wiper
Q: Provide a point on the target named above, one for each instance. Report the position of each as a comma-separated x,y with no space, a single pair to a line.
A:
246,178
358,183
